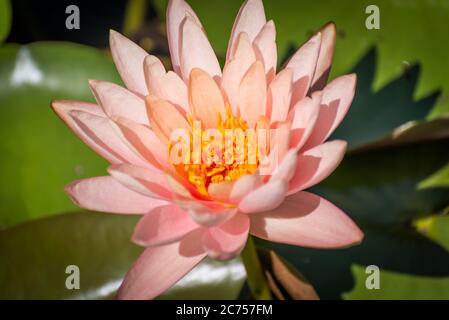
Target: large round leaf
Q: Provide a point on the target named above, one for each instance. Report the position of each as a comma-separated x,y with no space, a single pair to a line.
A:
39,154
34,257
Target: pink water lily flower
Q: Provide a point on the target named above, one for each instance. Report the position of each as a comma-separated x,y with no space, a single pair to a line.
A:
199,210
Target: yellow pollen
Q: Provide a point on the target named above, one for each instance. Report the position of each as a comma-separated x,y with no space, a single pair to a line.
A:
227,160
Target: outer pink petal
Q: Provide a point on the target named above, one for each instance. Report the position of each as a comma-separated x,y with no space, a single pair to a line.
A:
128,58
303,64
64,107
307,220
143,141
236,68
148,182
265,198
158,268
196,51
97,133
279,95
119,102
304,117
287,168
265,47
105,194
163,225
253,94
177,10
166,85
328,35
227,240
250,19
317,164
335,103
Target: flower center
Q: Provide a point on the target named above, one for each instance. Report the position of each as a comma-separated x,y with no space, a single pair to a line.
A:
225,153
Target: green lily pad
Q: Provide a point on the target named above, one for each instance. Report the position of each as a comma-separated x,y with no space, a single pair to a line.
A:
438,179
34,257
39,154
5,19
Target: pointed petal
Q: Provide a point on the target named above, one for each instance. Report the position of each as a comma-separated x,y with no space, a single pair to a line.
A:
328,36
280,93
234,70
265,47
164,118
250,19
177,10
304,117
98,134
196,51
119,102
307,220
128,58
335,103
227,240
206,101
151,274
265,198
148,182
163,225
317,164
105,194
303,64
253,94
143,141
286,170
165,85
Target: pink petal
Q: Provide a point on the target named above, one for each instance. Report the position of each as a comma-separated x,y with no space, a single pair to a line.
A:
220,191
317,164
166,85
279,146
280,93
227,240
287,168
105,194
158,268
307,220
196,51
250,19
119,102
236,68
244,186
148,182
265,198
165,119
253,94
128,58
201,209
97,133
177,10
143,141
206,101
304,117
64,107
163,225
335,103
265,47
303,64
328,35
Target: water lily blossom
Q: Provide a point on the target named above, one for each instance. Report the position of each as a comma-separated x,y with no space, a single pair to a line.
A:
194,210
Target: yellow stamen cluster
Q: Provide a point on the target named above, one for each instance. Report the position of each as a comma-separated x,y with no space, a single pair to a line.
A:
227,160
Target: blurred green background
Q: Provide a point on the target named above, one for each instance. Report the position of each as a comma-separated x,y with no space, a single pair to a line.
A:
394,180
